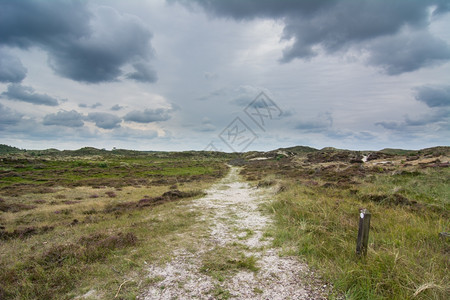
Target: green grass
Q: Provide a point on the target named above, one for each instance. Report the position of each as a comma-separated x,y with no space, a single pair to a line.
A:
406,257
28,174
222,262
220,293
71,224
99,252
425,186
67,242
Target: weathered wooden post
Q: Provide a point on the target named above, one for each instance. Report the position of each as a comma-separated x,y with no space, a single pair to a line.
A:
363,232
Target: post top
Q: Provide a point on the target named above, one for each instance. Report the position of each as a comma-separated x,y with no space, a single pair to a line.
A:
363,211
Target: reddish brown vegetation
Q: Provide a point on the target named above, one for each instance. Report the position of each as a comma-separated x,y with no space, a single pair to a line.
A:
169,196
14,207
24,232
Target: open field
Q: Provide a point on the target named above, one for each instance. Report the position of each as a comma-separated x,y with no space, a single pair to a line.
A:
89,224
408,194
84,222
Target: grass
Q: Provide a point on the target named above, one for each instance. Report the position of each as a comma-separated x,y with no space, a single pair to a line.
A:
94,237
21,175
222,262
98,252
87,222
220,293
245,234
317,219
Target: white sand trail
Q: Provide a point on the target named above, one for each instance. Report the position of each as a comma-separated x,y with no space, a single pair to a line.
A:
232,208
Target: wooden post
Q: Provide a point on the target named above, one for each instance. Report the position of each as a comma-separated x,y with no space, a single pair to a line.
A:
363,232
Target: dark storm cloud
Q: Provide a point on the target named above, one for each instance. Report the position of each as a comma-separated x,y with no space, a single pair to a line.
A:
27,22
434,96
11,68
104,120
19,92
375,26
8,117
86,44
143,73
148,115
249,9
64,118
408,52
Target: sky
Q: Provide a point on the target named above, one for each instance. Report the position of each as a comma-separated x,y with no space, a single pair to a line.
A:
235,75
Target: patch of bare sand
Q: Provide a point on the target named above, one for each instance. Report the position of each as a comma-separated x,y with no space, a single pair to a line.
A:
232,209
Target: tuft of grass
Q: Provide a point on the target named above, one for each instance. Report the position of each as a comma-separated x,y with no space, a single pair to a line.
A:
222,262
245,234
221,293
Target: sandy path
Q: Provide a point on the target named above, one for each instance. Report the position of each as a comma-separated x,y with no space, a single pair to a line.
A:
232,210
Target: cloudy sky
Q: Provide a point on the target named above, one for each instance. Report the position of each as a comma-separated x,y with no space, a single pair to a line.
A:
228,75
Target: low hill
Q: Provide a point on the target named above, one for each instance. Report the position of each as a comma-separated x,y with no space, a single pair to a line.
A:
298,149
392,151
435,151
5,149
